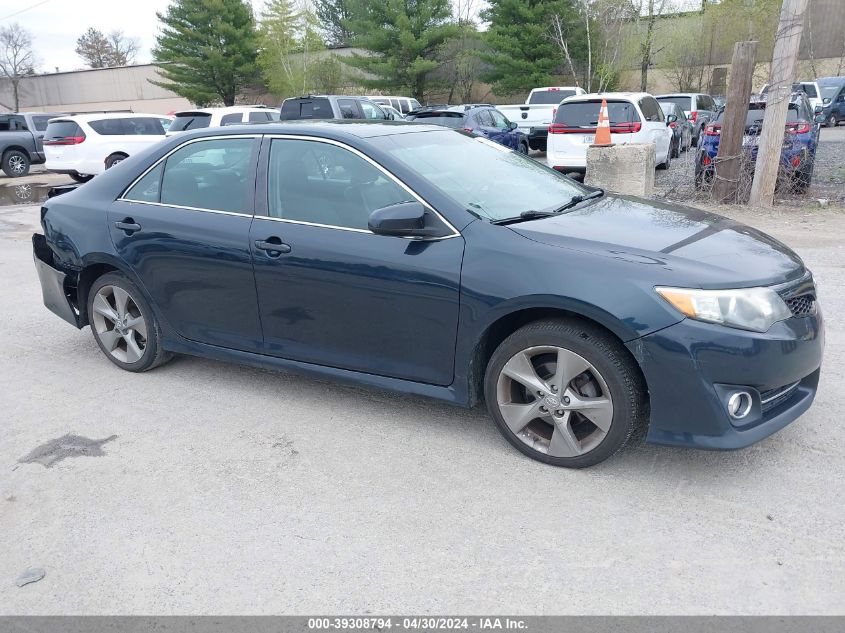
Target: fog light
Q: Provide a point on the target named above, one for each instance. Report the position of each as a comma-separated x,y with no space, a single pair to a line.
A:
739,405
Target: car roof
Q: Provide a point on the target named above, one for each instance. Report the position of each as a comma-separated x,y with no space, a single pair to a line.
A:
679,94
244,108
598,96
85,118
336,129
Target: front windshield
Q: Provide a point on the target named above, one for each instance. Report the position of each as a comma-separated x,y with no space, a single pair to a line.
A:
484,177
828,92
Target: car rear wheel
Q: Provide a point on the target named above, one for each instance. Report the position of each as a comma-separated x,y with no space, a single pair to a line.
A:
15,164
565,393
523,148
675,149
124,324
831,121
114,159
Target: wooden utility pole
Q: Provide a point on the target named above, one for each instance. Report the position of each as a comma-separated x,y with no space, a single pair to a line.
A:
728,159
784,61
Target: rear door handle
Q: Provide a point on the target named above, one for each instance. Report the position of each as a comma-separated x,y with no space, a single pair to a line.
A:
272,247
129,225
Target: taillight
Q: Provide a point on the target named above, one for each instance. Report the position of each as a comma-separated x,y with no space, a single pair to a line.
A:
625,128
66,140
467,129
560,128
706,160
693,116
796,161
712,129
798,127
673,124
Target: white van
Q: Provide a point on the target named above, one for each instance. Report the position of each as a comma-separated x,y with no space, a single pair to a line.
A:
635,117
85,145
403,104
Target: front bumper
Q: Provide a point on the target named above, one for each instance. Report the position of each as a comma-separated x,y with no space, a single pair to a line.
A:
692,368
56,292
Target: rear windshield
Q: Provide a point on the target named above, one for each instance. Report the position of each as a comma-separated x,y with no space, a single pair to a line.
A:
62,129
756,112
306,109
132,126
190,121
586,113
810,89
684,102
446,119
549,96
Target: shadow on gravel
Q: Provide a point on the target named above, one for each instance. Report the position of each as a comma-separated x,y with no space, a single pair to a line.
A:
54,451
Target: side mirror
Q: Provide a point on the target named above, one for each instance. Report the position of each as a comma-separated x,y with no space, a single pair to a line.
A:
671,118
512,125
403,219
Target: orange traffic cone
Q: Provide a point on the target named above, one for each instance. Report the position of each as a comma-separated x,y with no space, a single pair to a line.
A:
603,129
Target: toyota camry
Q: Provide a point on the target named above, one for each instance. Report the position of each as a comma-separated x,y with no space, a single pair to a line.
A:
430,261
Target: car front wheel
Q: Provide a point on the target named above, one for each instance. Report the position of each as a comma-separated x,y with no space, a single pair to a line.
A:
80,177
565,392
831,121
124,324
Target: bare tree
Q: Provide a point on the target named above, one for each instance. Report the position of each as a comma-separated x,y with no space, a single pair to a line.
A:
559,37
101,51
123,49
16,57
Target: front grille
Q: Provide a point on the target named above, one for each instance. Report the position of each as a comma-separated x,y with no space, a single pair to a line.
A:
773,397
802,305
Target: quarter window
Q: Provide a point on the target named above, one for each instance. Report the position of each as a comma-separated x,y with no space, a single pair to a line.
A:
347,109
231,118
148,188
371,111
651,111
211,174
316,182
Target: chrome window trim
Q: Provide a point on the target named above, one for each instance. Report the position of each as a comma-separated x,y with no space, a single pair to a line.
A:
122,196
381,168
181,206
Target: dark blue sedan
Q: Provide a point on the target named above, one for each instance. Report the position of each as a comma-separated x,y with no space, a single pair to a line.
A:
435,262
482,119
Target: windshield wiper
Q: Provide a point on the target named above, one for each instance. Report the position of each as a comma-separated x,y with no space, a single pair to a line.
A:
531,214
598,193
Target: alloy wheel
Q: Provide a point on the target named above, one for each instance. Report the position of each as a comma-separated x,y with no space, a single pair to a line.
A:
119,324
555,401
17,164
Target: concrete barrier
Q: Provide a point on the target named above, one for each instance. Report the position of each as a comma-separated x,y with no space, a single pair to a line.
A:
626,169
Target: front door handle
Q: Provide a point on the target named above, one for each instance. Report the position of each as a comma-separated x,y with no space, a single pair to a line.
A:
273,248
129,225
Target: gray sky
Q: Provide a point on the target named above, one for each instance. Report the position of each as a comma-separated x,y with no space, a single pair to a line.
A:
56,24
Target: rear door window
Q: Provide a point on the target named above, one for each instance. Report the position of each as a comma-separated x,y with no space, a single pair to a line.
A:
586,113
259,116
143,126
212,174
651,109
148,188
190,121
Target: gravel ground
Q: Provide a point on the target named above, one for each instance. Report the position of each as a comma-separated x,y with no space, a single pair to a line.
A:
828,182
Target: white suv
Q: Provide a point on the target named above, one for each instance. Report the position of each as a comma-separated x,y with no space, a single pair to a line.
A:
85,145
635,117
217,117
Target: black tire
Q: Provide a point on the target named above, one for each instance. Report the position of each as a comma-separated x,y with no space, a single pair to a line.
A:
523,148
114,159
831,121
80,177
153,354
668,162
16,164
675,150
606,354
540,146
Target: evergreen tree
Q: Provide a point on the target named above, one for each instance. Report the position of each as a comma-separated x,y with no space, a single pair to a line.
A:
404,37
334,16
523,54
206,51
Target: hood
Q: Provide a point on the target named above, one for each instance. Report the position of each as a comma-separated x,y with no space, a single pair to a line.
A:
683,245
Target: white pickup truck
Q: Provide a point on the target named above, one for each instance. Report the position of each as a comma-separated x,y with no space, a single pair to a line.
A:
535,115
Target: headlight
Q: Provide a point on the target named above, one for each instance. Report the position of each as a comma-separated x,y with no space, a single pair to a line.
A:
754,309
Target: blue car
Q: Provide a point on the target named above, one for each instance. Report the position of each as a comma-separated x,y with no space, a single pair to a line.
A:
433,262
799,144
481,119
